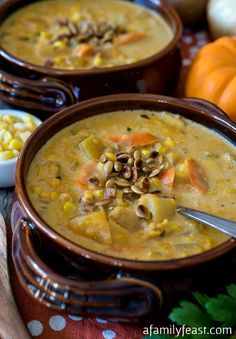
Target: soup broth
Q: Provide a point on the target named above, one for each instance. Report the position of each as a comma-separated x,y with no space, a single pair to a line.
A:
81,34
111,183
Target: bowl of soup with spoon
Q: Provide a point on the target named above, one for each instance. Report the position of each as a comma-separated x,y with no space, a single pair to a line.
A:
98,186
80,49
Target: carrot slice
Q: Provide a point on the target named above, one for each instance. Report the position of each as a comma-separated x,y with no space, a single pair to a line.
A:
129,37
195,176
87,171
83,50
168,177
136,139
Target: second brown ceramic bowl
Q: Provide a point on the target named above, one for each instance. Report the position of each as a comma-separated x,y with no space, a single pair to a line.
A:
49,90
67,276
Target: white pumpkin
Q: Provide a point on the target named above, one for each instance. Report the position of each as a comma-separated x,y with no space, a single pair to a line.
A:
222,17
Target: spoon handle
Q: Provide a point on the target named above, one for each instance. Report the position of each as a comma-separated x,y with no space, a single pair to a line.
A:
224,225
11,324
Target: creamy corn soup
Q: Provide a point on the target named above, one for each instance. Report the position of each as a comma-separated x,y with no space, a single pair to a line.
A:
111,183
77,34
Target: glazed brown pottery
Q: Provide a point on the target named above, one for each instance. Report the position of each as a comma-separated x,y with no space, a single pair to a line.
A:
67,276
50,90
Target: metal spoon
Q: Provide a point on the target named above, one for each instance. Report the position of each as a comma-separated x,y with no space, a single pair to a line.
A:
223,225
11,324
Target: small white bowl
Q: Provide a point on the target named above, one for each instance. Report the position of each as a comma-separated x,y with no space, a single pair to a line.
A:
8,167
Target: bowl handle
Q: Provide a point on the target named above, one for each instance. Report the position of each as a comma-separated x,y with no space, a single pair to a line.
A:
119,297
46,94
205,105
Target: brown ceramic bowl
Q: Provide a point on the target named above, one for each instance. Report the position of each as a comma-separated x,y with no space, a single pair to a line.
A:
50,90
64,275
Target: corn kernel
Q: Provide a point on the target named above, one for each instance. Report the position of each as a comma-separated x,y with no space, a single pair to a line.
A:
191,238
155,184
53,195
175,227
59,44
76,16
161,149
16,153
175,156
169,142
206,244
123,203
44,195
27,118
1,148
23,136
3,125
145,152
35,189
6,155
98,194
59,59
55,182
10,119
45,36
69,207
19,126
180,171
30,126
65,197
15,145
5,145
98,61
7,137
88,196
230,190
110,156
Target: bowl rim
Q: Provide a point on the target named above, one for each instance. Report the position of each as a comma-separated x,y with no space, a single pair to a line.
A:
165,8
137,265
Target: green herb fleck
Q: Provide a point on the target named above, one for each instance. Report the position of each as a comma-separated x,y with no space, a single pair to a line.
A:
24,38
144,116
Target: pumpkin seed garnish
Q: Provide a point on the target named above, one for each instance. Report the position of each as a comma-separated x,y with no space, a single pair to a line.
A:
110,192
118,166
103,158
126,171
136,189
103,202
123,183
124,157
94,181
134,175
110,183
144,184
108,167
138,163
156,171
143,212
137,155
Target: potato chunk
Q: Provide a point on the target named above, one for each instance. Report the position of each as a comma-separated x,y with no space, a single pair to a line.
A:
160,208
93,225
126,218
91,148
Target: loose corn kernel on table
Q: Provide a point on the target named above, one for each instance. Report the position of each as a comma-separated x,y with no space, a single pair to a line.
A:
44,323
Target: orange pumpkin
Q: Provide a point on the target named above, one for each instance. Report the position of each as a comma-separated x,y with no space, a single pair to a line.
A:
212,75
